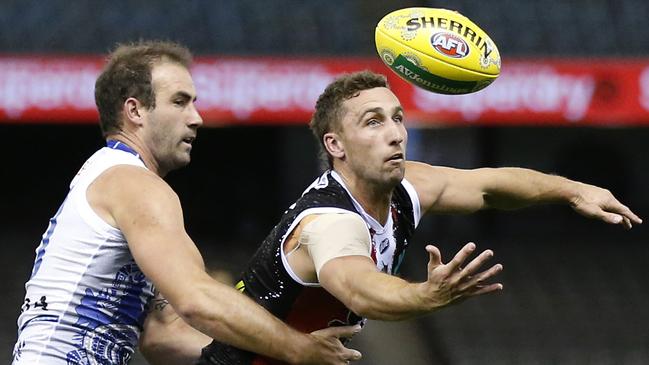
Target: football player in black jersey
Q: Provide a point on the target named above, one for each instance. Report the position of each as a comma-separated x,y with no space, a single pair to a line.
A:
331,258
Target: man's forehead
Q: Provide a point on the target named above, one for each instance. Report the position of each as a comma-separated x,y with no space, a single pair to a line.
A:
378,97
171,77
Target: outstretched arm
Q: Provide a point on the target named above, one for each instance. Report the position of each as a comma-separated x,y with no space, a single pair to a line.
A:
338,246
449,190
355,281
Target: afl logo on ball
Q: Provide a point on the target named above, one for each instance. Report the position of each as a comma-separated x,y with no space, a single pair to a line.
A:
449,45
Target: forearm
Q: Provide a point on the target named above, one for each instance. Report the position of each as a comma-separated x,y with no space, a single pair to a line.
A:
379,296
512,188
225,314
372,294
449,190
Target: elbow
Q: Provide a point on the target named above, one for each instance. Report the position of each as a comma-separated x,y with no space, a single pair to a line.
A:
195,302
361,309
202,311
357,303
364,308
171,343
151,347
191,310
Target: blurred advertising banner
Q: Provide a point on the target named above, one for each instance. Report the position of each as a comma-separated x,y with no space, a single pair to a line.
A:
247,91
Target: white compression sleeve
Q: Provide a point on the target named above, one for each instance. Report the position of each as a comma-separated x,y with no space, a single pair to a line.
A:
335,235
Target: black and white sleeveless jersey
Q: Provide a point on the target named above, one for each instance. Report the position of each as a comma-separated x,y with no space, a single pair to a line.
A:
307,307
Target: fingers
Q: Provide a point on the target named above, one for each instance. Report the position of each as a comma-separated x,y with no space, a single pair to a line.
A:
624,212
625,221
626,218
607,208
457,261
634,218
476,263
611,218
348,355
352,355
474,284
434,256
331,336
451,283
488,289
338,331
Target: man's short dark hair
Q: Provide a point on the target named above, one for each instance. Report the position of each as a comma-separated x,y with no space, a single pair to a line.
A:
128,74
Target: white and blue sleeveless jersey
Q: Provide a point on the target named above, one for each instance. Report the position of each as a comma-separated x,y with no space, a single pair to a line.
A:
85,300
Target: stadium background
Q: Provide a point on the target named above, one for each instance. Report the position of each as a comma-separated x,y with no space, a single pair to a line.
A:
575,289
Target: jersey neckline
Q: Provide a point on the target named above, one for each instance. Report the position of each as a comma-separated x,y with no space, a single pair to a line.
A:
375,225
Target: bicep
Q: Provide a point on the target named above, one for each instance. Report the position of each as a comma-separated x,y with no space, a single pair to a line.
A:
149,215
340,276
447,190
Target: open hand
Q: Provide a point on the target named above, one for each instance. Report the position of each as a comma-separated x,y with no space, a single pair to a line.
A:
450,283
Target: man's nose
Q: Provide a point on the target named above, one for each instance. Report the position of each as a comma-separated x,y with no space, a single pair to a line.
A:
196,119
397,133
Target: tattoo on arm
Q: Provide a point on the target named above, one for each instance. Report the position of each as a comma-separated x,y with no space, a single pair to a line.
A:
158,303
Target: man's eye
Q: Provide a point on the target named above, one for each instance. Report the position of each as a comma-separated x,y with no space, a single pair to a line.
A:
373,122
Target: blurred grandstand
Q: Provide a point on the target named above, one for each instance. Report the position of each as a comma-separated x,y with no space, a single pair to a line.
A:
575,290
337,27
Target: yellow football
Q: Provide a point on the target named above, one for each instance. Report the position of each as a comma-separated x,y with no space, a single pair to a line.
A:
439,50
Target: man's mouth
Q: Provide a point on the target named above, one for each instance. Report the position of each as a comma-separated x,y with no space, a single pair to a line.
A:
189,140
396,157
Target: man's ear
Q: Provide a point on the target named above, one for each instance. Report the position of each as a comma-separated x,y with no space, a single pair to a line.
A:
133,111
334,145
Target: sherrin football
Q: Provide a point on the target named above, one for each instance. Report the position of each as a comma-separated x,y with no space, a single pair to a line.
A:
438,50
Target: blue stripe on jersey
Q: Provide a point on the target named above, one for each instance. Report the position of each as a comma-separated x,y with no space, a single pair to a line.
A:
117,145
40,252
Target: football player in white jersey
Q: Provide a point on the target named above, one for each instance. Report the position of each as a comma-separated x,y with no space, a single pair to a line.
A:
120,233
360,125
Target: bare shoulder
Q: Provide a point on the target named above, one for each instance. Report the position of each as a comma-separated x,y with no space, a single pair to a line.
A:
429,181
133,181
128,188
418,173
130,176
